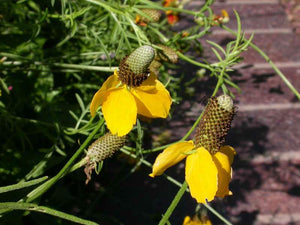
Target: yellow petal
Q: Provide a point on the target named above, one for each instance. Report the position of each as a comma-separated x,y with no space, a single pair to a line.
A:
229,151
149,85
187,220
119,111
222,162
99,97
170,156
153,103
201,175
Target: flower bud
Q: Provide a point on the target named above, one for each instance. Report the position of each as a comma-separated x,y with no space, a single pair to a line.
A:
152,13
105,147
167,54
101,149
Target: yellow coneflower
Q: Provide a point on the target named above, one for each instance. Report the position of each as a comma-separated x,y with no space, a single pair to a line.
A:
208,161
131,91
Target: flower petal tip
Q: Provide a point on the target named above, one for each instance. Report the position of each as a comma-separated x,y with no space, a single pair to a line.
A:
151,175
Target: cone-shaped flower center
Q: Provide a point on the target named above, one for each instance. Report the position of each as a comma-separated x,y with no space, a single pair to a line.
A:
215,123
133,70
105,147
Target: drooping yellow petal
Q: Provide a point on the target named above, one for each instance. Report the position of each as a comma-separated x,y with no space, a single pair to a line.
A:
170,156
119,111
99,97
222,162
201,175
149,85
153,102
229,151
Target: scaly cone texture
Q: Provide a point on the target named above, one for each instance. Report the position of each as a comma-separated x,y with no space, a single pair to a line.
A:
140,59
152,13
167,54
101,149
105,147
215,123
133,70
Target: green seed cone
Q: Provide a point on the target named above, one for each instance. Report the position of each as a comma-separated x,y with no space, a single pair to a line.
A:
134,69
105,147
215,123
167,54
152,13
140,59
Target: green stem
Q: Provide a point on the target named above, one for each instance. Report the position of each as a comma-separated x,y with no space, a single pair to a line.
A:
85,67
43,209
220,81
44,187
217,214
22,185
280,74
192,128
182,56
173,205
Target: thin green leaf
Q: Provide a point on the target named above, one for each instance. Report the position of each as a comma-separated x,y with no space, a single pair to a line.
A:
43,209
23,184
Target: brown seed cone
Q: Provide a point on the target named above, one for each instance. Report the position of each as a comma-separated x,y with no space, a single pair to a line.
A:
215,124
105,147
154,66
128,77
167,54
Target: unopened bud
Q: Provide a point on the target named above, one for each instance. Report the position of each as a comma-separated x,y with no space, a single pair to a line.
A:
152,13
101,149
167,54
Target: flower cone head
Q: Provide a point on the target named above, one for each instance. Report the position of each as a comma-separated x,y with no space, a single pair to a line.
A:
133,70
101,149
167,54
215,123
153,14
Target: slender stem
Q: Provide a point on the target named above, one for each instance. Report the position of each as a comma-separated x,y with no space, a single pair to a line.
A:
182,56
173,205
220,81
22,185
85,67
44,187
192,128
217,214
280,74
43,209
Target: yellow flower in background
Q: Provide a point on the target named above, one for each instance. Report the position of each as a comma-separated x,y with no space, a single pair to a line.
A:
208,162
132,91
196,221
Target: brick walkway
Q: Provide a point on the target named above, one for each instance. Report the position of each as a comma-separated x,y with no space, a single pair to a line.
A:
266,179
